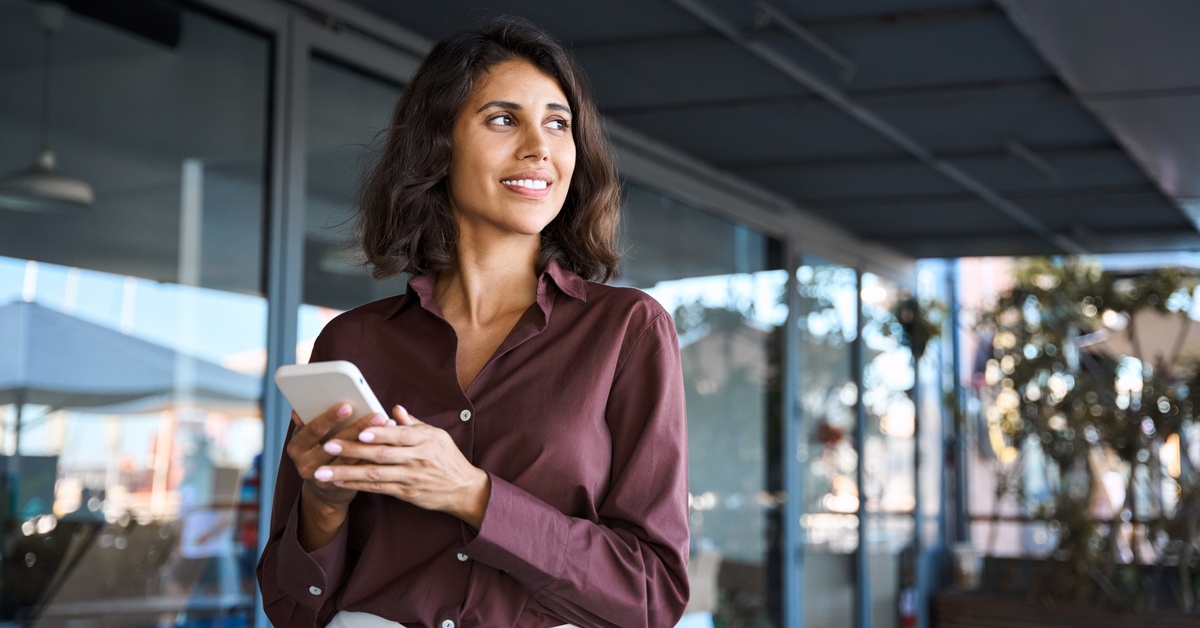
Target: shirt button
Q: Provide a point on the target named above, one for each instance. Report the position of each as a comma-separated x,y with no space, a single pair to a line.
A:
314,590
466,416
447,624
462,556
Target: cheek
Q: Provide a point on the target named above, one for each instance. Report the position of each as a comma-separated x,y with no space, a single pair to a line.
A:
462,177
566,167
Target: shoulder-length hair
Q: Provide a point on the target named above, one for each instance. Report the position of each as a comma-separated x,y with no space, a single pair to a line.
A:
404,216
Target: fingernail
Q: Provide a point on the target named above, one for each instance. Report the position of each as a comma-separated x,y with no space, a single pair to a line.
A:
379,420
333,448
344,410
401,408
391,423
323,474
366,436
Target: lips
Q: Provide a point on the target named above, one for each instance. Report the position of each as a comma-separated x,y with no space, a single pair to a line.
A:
530,183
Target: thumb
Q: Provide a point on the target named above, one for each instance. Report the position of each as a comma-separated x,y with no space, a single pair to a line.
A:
403,417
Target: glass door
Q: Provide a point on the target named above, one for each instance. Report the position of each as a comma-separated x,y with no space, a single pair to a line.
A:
134,329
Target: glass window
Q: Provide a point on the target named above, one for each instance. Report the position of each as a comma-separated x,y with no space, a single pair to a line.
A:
828,325
347,114
889,449
134,331
722,283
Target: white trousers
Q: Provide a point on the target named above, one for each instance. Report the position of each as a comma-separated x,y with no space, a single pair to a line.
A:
352,619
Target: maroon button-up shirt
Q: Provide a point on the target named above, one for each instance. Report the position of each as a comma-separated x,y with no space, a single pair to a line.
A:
579,420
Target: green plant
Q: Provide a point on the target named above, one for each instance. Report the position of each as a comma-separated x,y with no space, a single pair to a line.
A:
919,321
1078,398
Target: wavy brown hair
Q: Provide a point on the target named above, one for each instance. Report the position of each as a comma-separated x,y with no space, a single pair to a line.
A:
404,216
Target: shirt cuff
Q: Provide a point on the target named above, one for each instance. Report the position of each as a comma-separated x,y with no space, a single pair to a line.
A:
521,535
311,578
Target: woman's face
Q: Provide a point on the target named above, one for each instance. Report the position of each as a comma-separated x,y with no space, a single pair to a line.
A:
512,153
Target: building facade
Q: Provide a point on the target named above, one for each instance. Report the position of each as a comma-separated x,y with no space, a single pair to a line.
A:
223,141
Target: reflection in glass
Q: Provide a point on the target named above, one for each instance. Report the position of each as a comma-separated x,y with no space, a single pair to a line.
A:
346,112
720,282
134,333
889,469
828,325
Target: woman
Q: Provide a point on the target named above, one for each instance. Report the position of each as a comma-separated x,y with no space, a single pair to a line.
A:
536,473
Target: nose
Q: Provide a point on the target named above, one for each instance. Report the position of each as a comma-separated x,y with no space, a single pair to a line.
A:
533,144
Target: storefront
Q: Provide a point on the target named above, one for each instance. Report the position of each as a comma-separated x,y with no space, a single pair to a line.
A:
223,141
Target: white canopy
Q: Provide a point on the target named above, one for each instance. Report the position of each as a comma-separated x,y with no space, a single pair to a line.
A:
51,358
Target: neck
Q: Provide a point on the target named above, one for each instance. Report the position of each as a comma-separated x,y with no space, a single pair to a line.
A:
486,283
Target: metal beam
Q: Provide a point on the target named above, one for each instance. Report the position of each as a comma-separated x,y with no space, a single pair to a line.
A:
938,95
1045,150
895,19
839,99
974,245
1078,194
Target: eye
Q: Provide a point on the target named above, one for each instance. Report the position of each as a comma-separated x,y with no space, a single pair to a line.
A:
559,124
502,119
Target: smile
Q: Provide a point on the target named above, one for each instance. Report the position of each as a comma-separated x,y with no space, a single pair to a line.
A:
530,184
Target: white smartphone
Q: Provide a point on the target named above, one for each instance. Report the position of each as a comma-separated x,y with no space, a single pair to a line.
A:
316,387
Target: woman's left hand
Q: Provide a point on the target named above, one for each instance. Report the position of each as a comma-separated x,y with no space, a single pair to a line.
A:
415,462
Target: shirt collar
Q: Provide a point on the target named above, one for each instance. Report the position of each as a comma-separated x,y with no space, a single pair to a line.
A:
420,288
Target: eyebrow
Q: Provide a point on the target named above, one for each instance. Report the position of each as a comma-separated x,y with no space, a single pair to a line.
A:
504,104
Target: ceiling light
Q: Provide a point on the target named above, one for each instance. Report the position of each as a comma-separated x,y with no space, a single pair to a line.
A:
41,188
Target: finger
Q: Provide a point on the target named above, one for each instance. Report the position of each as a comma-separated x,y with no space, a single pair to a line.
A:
403,417
340,474
383,488
318,429
306,450
297,420
333,470
352,431
385,453
399,435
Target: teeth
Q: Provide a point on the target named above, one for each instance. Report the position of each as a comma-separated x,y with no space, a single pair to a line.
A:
533,184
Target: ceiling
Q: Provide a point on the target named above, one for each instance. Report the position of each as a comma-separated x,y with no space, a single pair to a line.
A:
937,128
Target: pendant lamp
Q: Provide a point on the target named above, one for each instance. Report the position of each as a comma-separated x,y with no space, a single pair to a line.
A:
41,188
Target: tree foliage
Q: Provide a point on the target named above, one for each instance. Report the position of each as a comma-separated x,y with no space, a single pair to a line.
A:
1065,405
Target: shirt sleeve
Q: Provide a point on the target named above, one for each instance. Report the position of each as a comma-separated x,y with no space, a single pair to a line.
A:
629,568
299,588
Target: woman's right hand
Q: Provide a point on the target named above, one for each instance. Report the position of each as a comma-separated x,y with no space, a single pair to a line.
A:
307,453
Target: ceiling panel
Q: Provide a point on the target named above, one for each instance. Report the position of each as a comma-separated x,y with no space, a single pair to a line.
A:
819,184
574,23
923,53
882,10
1067,170
679,70
1135,67
956,78
1117,45
1163,134
754,133
926,219
965,125
1108,211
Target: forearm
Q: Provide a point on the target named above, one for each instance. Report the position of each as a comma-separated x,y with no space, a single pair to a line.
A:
299,587
319,521
473,500
587,572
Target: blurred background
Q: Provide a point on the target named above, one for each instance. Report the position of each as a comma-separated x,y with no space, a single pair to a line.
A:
932,264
